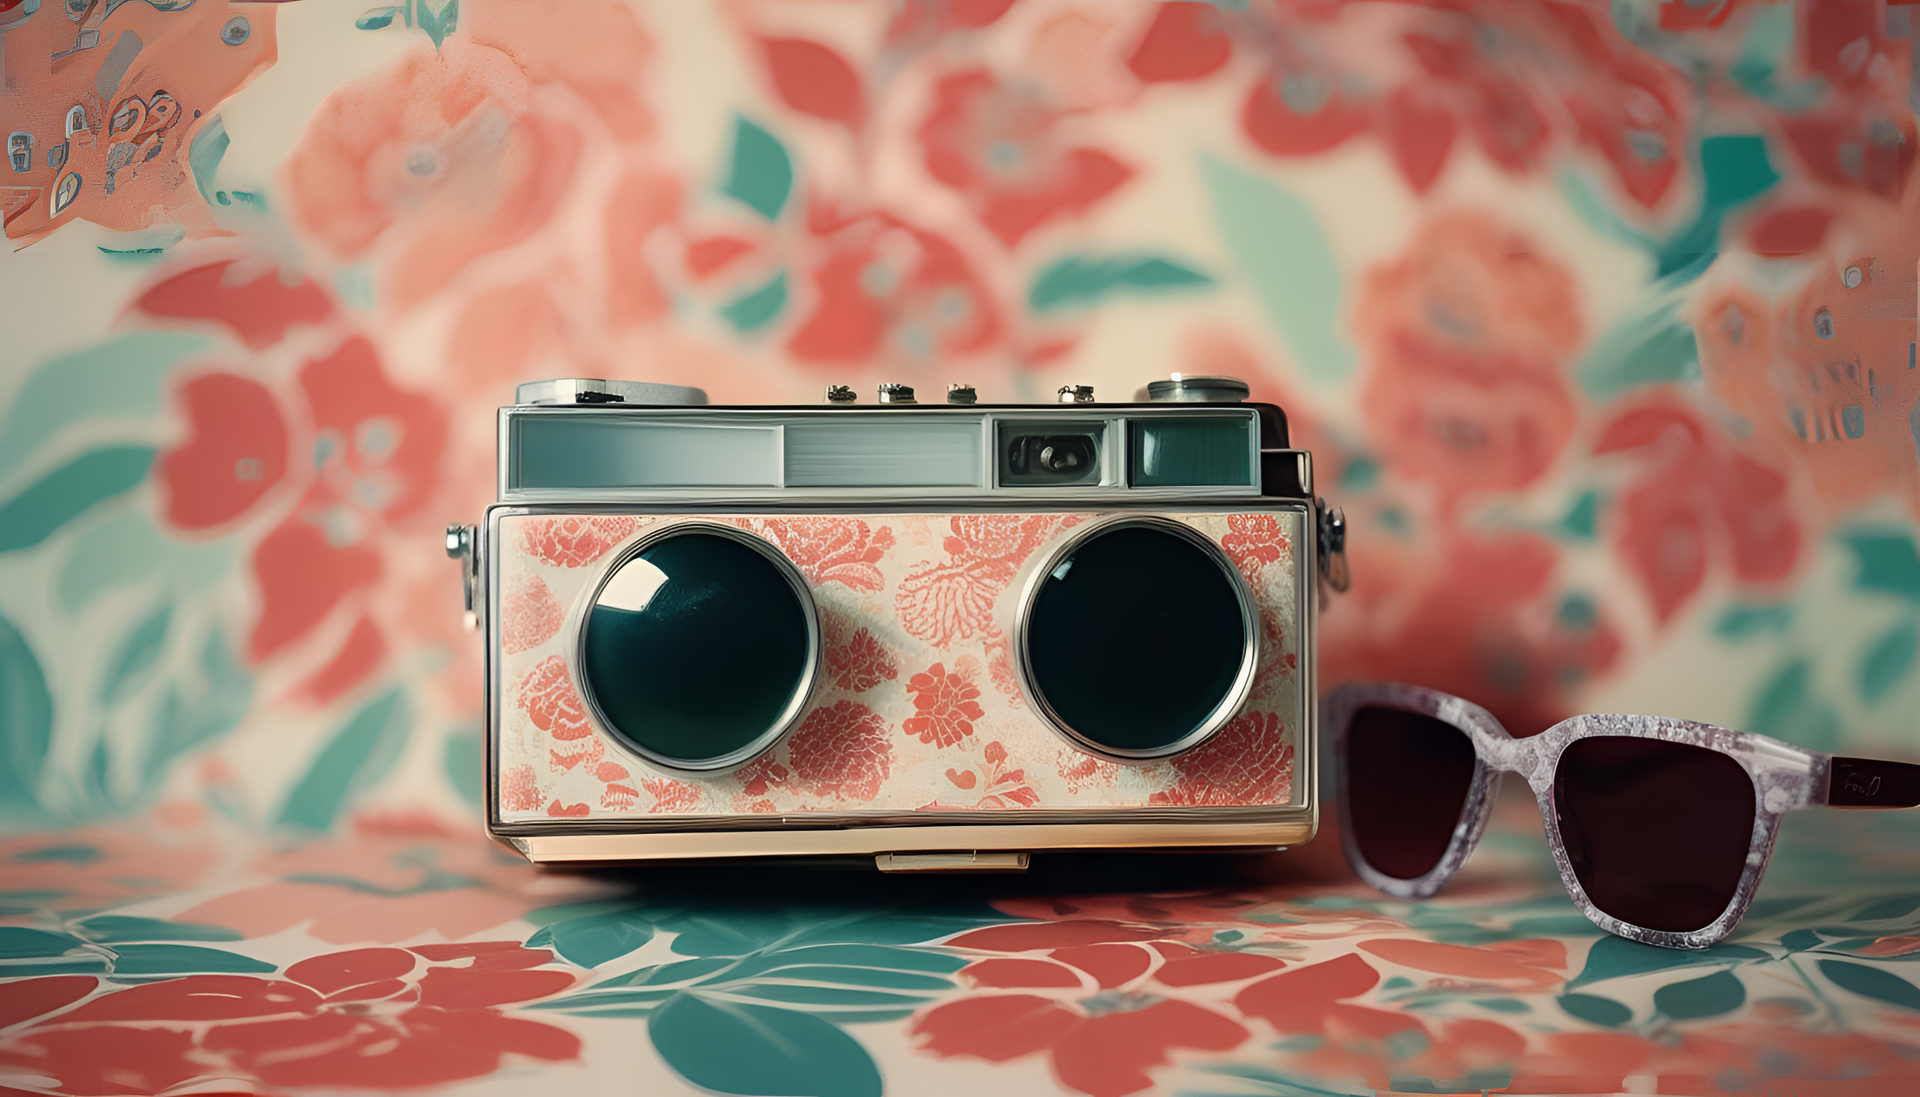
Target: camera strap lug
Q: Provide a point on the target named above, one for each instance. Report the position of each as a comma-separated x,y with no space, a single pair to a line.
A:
1333,548
967,861
463,544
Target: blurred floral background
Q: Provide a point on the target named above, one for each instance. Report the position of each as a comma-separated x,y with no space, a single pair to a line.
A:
1598,317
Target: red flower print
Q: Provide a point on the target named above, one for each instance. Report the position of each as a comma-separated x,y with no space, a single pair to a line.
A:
519,789
1468,337
1299,111
575,541
995,143
1083,771
548,698
1186,41
673,797
843,750
829,550
235,453
945,704
1249,761
1254,541
1105,1047
856,663
365,1018
529,613
1309,1000
1001,786
250,299
884,289
1698,499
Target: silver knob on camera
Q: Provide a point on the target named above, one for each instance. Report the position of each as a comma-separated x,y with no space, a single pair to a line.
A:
895,393
1076,394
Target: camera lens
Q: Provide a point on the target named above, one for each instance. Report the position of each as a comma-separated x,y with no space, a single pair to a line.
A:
1139,641
699,651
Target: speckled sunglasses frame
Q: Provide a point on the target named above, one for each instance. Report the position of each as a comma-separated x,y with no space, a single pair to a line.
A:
1785,777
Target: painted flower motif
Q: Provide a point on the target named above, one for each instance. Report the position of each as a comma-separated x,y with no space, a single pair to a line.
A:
368,1017
945,703
996,144
1698,499
547,696
761,776
574,541
1467,338
672,797
519,789
844,751
1000,785
954,599
829,549
529,613
1254,541
1250,761
856,663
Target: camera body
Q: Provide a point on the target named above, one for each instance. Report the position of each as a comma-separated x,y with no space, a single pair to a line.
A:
942,636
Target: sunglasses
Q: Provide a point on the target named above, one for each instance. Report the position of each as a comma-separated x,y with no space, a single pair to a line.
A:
1660,828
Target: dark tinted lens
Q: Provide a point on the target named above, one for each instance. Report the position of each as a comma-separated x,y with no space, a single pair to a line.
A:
1408,777
1657,832
695,648
1137,638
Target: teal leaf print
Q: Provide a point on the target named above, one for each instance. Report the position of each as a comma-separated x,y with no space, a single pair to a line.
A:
20,942
1888,563
118,379
1871,982
757,308
1085,279
197,712
760,172
356,757
592,941
204,155
1887,661
1707,996
170,960
739,1048
135,656
437,24
1790,707
376,19
69,491
1741,622
1276,240
1612,957
113,929
1656,347
26,719
1596,1010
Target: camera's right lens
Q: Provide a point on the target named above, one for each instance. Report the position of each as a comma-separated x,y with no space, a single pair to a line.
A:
700,650
1138,642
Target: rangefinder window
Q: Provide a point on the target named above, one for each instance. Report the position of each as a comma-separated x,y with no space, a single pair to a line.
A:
1049,454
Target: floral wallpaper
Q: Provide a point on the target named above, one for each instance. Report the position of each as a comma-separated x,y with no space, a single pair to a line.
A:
1599,318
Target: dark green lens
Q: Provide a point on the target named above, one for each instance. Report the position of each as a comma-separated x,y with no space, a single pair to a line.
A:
1136,639
695,649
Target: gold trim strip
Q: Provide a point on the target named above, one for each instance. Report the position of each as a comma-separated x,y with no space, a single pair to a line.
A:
871,841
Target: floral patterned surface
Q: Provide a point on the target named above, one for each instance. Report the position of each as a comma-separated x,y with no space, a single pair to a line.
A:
192,955
931,593
1599,318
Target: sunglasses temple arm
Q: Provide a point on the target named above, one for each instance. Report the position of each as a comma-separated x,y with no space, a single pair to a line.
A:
1868,783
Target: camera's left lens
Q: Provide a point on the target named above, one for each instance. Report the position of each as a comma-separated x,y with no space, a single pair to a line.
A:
700,650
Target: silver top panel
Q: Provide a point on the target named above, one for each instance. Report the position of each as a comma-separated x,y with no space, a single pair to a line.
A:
591,391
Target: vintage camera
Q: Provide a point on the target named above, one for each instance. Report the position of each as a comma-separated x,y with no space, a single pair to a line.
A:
942,636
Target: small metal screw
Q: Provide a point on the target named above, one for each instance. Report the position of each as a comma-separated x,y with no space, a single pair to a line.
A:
896,394
841,394
959,393
237,31
1823,324
1076,394
1851,279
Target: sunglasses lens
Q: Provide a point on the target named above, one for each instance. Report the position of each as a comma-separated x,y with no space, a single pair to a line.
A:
1408,776
1657,832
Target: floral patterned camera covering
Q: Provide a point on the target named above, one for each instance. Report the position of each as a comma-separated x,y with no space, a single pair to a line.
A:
918,706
